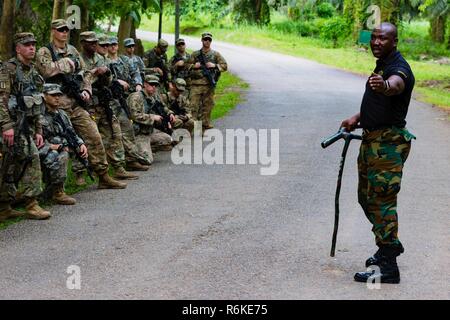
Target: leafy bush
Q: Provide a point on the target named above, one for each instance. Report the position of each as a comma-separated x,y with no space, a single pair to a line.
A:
302,28
325,10
335,29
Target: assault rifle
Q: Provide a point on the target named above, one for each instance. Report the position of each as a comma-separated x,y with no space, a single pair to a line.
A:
71,138
158,108
117,90
212,75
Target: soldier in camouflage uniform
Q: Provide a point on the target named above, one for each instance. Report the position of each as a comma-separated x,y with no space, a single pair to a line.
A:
130,45
59,60
141,103
21,107
55,152
178,65
202,91
384,149
126,73
156,62
178,103
101,108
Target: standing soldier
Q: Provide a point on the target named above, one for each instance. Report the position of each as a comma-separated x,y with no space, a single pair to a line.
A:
59,62
178,64
21,107
130,46
156,62
126,79
206,66
384,149
101,107
145,120
178,103
55,153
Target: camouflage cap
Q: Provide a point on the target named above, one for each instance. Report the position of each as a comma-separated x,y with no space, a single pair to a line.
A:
180,41
152,79
163,43
207,35
113,40
59,23
180,84
103,39
88,36
52,88
24,37
129,42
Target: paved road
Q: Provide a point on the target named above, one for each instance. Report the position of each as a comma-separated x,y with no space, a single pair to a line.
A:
226,232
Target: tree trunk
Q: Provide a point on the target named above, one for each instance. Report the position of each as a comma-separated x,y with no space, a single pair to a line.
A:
437,29
58,9
139,50
7,29
124,28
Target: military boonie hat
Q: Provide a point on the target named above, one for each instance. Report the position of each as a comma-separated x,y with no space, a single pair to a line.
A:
152,79
24,37
88,36
163,43
129,42
113,40
103,39
180,84
52,88
207,35
180,41
59,23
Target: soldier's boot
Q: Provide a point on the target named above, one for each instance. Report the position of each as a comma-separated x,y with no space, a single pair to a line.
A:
9,213
122,174
136,166
375,259
35,212
79,179
106,182
60,197
387,271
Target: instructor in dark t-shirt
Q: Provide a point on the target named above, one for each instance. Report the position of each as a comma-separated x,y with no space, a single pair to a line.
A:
384,149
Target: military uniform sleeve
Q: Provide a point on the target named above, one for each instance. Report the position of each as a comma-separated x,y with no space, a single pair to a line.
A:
185,106
88,76
6,122
136,105
221,63
48,68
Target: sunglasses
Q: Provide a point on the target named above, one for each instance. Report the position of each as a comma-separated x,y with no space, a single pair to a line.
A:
207,39
181,44
131,46
104,45
64,29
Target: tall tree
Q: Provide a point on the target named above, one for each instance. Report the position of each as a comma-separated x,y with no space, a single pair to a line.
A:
7,29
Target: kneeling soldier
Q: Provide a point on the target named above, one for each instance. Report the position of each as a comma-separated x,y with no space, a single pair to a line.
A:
55,153
142,105
178,103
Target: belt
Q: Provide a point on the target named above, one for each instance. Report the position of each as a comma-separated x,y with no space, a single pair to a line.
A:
371,129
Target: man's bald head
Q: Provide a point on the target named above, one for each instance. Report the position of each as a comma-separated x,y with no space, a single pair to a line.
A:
384,40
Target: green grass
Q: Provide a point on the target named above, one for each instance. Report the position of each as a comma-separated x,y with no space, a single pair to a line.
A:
413,40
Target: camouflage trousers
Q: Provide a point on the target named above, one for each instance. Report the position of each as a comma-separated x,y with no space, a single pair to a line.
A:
202,103
86,128
183,124
111,136
24,161
157,141
54,168
380,165
132,153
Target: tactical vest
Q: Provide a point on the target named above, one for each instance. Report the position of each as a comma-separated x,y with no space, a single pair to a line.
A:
26,84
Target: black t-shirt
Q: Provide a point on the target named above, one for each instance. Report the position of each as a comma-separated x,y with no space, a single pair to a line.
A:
378,110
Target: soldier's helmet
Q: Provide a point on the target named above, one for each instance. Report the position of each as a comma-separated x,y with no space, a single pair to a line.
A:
24,38
103,39
52,89
180,84
113,40
128,42
59,23
151,79
207,35
88,36
163,44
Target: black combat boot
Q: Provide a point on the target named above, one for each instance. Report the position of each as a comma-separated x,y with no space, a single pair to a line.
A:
374,260
386,258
